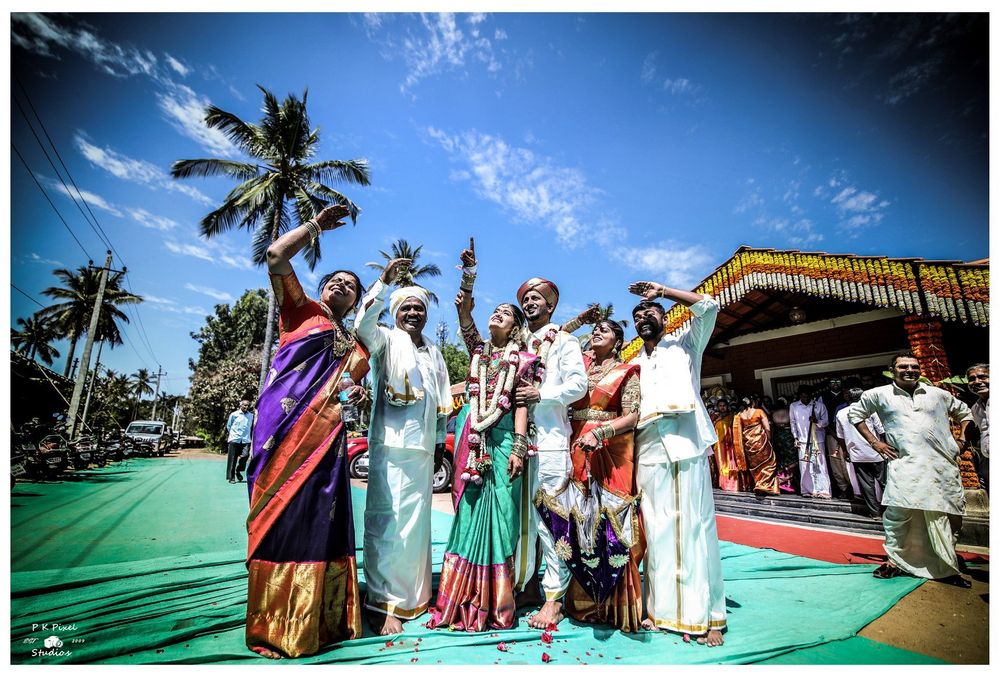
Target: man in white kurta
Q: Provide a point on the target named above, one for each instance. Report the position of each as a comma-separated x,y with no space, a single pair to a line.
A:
923,496
869,466
808,419
683,568
411,401
564,382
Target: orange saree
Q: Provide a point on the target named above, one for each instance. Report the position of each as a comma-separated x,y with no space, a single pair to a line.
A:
754,438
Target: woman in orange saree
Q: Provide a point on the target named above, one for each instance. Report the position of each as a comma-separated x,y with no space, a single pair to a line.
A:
302,575
752,431
605,587
729,458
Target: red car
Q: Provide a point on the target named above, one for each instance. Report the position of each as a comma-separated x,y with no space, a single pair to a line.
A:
357,459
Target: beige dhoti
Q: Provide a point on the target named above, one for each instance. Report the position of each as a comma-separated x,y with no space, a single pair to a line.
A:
397,545
683,567
921,543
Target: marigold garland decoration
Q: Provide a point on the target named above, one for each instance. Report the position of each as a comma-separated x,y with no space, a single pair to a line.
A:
944,290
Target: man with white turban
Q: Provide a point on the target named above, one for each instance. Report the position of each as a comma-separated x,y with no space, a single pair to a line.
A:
563,381
411,402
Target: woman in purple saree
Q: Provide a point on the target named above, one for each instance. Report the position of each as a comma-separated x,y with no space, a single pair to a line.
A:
303,581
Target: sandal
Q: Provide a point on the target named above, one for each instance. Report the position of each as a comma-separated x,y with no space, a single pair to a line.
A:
887,571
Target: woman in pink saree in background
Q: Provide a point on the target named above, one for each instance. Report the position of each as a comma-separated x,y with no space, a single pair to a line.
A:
302,575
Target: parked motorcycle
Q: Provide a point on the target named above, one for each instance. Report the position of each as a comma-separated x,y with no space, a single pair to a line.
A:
81,452
53,456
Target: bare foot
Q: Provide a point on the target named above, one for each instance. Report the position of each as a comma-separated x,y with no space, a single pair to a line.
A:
647,624
384,624
713,639
266,653
550,613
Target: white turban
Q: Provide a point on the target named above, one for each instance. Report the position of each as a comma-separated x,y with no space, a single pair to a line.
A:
400,295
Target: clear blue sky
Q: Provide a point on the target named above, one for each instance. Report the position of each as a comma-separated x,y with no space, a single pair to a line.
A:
591,149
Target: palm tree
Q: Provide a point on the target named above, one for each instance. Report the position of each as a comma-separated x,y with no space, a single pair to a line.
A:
279,188
35,338
78,293
402,249
141,384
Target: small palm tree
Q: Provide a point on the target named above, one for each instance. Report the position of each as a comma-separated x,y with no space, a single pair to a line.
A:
77,294
402,249
280,188
141,384
35,337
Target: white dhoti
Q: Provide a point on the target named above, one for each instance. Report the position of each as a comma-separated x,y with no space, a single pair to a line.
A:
397,546
683,567
921,543
814,478
548,471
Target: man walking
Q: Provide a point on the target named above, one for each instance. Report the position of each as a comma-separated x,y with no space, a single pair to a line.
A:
869,466
564,382
239,425
808,420
978,377
411,402
684,587
924,498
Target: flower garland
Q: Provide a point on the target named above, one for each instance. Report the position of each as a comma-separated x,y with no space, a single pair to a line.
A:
954,292
924,334
484,413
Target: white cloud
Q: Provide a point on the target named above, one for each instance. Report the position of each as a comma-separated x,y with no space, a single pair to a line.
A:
182,106
215,251
150,220
532,187
210,292
185,111
679,85
178,67
95,200
436,44
159,301
676,264
35,258
856,209
648,73
134,170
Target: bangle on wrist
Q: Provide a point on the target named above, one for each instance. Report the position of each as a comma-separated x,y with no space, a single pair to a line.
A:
520,448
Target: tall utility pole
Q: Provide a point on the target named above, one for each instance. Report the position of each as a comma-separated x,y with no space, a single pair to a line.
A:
81,376
159,374
93,381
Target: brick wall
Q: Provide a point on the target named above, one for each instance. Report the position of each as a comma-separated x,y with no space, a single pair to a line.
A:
845,342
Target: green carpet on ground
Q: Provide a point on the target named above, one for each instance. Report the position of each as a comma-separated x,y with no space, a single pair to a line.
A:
145,563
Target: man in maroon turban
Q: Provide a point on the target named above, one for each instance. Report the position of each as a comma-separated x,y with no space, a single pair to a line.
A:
564,381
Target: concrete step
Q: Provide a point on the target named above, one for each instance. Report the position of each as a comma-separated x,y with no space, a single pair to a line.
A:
790,502
842,522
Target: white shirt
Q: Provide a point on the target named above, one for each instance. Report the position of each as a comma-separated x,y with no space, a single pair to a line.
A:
673,422
925,475
857,447
565,382
798,419
981,416
240,425
418,426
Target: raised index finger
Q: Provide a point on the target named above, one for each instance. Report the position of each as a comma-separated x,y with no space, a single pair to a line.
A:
472,245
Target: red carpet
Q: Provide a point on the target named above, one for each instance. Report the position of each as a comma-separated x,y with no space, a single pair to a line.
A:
833,547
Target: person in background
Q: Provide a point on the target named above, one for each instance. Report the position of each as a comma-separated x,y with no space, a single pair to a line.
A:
979,384
785,453
239,425
924,498
752,435
836,460
730,462
808,420
869,466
